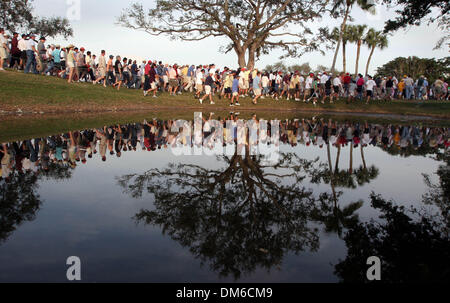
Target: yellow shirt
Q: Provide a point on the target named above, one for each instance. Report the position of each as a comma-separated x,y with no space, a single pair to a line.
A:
245,75
228,81
184,71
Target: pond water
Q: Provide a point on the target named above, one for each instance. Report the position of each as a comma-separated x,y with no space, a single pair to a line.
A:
300,202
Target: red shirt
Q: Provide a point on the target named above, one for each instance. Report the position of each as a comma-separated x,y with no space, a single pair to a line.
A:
147,69
347,79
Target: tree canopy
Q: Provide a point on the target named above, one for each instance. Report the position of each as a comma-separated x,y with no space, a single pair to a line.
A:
17,16
416,67
253,27
414,12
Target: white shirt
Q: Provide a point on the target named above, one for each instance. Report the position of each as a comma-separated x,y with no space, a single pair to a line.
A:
337,81
22,45
323,79
49,52
199,79
278,79
309,82
370,84
3,41
265,81
30,44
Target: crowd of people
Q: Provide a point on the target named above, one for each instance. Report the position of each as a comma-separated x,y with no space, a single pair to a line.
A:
205,81
72,148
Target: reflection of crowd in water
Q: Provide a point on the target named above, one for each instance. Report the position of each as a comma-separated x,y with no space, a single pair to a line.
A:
69,149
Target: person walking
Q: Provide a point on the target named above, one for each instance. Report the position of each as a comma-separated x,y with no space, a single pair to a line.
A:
101,69
31,55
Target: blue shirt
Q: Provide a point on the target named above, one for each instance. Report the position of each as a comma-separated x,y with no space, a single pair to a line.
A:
56,56
190,72
256,82
235,85
134,69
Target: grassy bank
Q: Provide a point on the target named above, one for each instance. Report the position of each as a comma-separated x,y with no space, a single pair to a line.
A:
37,94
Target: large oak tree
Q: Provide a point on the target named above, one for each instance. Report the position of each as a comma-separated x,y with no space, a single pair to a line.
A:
18,16
253,27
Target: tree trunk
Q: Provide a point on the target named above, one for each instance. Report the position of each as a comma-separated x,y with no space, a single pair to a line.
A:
368,61
251,58
241,59
363,158
350,170
344,52
343,25
336,168
333,188
357,58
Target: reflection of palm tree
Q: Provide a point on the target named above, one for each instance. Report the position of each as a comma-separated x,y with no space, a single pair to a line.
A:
350,170
329,212
336,219
236,218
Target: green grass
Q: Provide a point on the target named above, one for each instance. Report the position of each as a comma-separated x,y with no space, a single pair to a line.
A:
35,93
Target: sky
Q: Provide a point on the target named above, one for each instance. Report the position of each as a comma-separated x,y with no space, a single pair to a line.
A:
95,30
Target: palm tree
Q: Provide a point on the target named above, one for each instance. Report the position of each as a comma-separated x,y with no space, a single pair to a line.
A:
347,5
374,39
357,34
335,36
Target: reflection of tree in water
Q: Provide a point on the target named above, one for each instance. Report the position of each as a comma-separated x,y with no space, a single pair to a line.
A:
410,250
244,216
439,194
19,201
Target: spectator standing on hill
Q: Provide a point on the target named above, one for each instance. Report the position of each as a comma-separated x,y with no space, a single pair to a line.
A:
101,69
3,48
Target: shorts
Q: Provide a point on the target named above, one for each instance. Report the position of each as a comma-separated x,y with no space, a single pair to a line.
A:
235,94
369,93
308,92
3,53
23,55
228,90
336,89
257,91
207,89
328,91
199,87
165,79
173,83
102,72
70,64
153,85
246,84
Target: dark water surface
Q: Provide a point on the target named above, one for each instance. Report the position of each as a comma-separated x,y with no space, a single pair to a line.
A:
150,215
